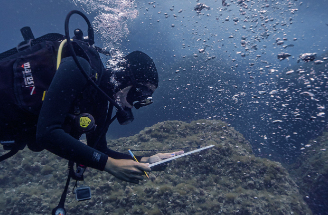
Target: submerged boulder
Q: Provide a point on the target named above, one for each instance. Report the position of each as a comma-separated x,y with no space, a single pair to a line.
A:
226,179
310,172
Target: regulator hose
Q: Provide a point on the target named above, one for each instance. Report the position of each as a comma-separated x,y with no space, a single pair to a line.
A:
91,42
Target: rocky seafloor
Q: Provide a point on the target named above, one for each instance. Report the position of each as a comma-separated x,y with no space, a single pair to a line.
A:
310,172
226,179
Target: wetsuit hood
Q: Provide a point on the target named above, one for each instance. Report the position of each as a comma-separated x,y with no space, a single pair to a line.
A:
142,68
135,68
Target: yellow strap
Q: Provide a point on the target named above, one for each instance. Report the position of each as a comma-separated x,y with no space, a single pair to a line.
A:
44,94
60,51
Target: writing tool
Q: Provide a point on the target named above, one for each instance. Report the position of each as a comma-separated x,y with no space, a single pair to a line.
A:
132,155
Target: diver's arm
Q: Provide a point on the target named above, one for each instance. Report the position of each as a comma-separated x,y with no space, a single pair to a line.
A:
99,113
102,146
118,164
65,86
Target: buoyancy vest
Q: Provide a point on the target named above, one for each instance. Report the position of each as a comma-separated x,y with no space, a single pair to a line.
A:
25,77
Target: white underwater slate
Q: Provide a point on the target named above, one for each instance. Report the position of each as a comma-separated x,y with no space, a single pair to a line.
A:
179,156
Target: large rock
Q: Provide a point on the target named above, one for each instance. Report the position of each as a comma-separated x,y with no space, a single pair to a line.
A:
310,173
226,179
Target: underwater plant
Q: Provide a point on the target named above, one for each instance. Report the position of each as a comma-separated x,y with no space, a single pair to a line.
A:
223,179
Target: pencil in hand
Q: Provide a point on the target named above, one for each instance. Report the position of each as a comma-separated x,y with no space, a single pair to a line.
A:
132,155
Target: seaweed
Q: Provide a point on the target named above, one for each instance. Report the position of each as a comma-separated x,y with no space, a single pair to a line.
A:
223,179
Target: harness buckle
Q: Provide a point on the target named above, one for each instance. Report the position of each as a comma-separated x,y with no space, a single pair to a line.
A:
24,45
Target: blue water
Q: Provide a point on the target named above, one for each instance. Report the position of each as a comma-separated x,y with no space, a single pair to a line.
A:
183,34
152,32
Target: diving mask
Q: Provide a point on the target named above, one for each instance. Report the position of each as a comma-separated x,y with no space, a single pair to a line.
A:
140,96
142,103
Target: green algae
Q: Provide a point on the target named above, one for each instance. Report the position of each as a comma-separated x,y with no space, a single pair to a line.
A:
222,180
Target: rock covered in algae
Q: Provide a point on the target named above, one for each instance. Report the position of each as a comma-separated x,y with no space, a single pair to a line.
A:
310,172
226,179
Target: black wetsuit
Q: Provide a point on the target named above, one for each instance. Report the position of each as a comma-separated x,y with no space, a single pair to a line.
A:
69,90
61,98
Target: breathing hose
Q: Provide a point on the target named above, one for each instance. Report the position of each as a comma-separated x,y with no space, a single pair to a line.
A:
91,42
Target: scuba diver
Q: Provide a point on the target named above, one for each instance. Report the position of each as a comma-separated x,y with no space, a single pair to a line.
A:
69,96
54,89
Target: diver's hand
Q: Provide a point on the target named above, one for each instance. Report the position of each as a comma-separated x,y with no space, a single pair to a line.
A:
126,170
160,156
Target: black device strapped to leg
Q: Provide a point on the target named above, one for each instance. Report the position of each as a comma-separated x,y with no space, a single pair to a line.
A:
78,176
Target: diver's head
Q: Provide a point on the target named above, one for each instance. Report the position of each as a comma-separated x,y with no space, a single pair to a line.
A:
134,82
